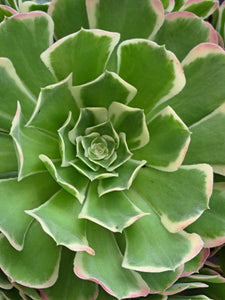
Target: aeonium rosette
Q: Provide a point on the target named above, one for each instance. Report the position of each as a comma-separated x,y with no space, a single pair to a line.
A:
97,156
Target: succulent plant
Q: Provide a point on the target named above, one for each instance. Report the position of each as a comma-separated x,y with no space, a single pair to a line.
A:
110,135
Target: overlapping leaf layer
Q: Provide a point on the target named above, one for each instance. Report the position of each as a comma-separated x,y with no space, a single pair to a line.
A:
109,139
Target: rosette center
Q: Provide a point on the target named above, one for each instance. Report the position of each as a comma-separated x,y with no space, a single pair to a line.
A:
98,149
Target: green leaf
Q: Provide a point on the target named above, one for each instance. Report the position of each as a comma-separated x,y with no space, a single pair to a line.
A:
12,3
54,103
180,25
81,155
6,11
105,128
131,121
157,74
126,174
59,219
66,148
169,141
90,174
68,16
75,288
104,210
202,94
97,150
30,142
122,152
193,265
8,160
121,283
211,225
22,265
207,134
151,248
29,6
198,297
12,90
67,177
27,293
139,19
201,8
4,281
102,294
12,294
75,52
179,287
208,275
176,185
102,91
158,282
18,38
221,20
90,116
156,297
178,4
13,221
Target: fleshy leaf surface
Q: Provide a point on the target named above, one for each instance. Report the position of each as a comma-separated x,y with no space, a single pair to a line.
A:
184,24
29,6
221,21
195,101
176,190
193,265
169,141
206,137
201,8
168,4
8,160
59,218
208,275
6,11
13,221
126,174
179,287
131,121
30,142
67,177
12,90
211,225
27,293
22,265
121,283
66,148
75,52
68,16
90,116
12,294
18,38
90,174
102,91
104,210
75,288
54,103
139,19
4,281
158,282
151,236
163,74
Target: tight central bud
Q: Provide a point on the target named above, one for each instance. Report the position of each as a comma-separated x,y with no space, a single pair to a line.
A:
98,149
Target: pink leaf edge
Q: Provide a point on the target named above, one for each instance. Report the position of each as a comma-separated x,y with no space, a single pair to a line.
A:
13,11
205,255
141,293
